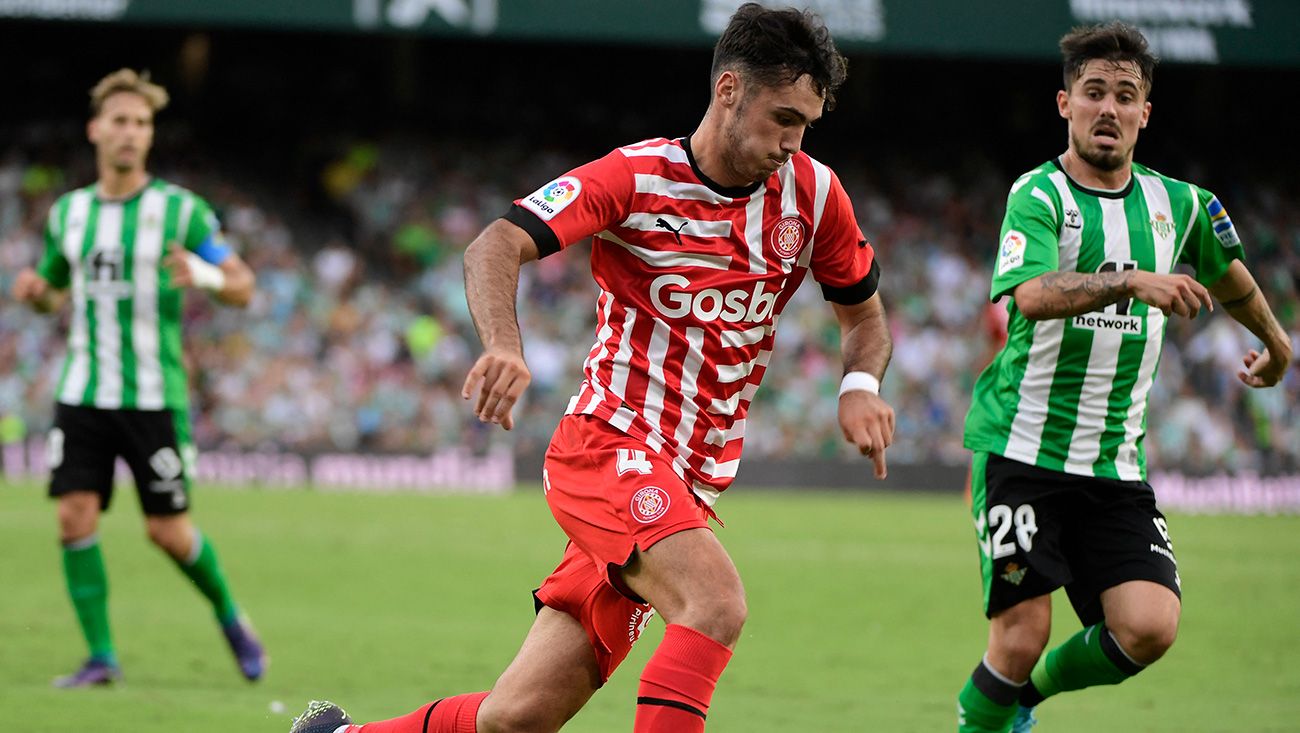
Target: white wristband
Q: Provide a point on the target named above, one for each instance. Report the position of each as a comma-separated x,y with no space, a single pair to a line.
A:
859,381
204,274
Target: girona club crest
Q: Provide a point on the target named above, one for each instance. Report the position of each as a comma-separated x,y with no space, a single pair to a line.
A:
649,504
787,237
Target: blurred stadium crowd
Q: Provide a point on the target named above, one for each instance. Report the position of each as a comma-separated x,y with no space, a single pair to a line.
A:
359,337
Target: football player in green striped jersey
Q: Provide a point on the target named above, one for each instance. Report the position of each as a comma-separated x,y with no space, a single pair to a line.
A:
1087,257
122,250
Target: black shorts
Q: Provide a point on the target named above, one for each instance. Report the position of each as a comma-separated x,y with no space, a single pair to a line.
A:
85,443
1040,530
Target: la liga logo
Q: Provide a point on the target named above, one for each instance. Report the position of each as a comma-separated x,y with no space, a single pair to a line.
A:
561,191
551,199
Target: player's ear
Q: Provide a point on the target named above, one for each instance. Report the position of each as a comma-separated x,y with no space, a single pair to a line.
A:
727,89
1146,116
91,131
1063,103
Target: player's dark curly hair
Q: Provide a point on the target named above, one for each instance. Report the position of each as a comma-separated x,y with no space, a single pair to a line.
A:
1114,41
775,47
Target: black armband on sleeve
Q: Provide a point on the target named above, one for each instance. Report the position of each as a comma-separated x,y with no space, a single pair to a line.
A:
856,293
545,239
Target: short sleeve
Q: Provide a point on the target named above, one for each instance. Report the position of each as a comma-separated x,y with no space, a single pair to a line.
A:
202,227
53,267
1212,243
843,261
1029,244
582,202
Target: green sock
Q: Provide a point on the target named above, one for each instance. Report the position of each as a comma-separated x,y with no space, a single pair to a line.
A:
1091,657
202,568
83,568
987,703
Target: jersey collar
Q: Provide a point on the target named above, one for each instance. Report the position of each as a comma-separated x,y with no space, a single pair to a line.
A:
1104,193
731,192
148,181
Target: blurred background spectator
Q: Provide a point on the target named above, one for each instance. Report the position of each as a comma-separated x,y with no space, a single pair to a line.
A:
359,341
352,178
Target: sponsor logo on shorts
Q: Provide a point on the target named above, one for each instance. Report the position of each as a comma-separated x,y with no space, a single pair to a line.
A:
54,448
166,463
636,624
649,504
1157,549
787,237
1014,574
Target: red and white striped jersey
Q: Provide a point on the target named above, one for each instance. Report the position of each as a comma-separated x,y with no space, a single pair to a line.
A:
693,278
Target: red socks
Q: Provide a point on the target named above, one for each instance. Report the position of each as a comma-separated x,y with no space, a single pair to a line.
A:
449,715
677,684
676,687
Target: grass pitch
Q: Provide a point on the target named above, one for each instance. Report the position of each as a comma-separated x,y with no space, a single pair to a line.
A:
864,616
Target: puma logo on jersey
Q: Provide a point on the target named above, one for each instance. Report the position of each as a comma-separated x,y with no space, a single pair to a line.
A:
630,460
661,224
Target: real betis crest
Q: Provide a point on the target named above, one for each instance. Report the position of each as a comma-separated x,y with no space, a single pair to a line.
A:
1162,226
1014,574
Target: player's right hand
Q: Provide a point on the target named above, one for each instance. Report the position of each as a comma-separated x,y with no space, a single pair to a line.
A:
499,378
29,287
1176,293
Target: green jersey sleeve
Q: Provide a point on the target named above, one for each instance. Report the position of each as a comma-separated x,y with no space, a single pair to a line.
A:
1212,243
53,266
203,225
1030,242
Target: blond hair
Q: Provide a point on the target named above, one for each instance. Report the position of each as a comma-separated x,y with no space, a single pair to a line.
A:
127,80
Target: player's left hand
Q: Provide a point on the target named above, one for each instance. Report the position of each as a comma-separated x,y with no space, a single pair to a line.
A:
499,379
1262,370
868,422
178,266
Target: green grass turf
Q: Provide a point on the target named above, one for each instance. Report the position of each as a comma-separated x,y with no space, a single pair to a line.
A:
864,616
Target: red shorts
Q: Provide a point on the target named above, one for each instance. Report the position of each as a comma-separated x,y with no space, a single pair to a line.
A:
611,496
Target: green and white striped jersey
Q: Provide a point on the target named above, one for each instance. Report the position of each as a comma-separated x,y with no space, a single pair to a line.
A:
124,338
1071,394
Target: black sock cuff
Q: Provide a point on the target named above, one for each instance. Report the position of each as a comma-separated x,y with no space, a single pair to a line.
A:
429,714
1030,696
1116,655
994,686
670,704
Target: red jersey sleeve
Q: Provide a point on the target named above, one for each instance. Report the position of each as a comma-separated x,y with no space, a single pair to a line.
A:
843,261
582,202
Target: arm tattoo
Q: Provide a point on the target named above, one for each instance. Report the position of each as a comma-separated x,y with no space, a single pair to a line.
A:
1243,300
1071,293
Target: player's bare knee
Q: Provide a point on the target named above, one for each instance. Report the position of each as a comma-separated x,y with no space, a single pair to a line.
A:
720,618
1014,653
170,536
78,517
1146,639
